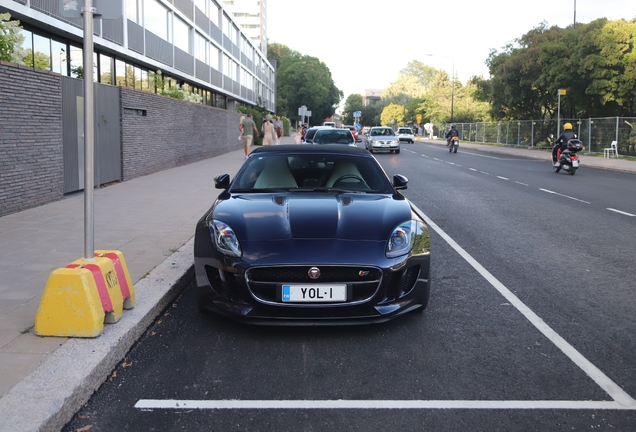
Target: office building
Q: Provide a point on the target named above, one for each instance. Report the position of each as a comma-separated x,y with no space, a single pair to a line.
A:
195,44
251,15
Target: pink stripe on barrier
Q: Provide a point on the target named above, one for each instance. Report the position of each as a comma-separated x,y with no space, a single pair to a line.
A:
98,277
119,270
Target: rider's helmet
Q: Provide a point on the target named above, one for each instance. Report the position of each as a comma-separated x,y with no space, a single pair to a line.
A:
567,126
453,127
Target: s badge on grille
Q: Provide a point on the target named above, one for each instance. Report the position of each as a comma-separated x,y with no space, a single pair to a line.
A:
363,273
314,273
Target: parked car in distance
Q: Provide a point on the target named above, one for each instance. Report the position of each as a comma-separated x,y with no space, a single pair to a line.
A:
334,136
332,124
311,235
309,135
382,138
354,131
405,134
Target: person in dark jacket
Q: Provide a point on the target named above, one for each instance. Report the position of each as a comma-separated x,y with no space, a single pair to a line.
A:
563,139
453,132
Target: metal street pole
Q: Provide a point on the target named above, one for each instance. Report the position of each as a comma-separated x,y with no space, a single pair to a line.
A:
452,84
89,127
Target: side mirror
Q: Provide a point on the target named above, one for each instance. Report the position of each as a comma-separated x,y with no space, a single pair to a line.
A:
222,181
551,136
400,182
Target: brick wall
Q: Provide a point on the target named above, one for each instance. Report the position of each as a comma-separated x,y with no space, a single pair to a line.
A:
31,163
171,133
160,132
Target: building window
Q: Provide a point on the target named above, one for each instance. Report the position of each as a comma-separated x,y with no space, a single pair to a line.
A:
201,5
157,19
106,66
182,35
214,58
201,48
214,13
133,10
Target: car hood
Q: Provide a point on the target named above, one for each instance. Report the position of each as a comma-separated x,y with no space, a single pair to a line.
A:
312,215
383,137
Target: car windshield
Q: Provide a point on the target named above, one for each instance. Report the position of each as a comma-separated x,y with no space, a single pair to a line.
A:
311,172
335,136
382,132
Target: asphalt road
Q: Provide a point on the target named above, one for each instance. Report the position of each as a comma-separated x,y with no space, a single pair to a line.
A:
529,328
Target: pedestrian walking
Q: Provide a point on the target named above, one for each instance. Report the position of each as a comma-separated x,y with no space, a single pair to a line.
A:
249,129
267,129
278,125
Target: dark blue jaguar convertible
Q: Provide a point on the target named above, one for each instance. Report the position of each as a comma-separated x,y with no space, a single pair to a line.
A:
311,235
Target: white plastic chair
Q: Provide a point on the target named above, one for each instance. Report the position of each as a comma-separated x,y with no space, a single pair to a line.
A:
612,150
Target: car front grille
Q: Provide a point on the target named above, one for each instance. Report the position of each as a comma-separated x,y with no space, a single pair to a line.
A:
265,282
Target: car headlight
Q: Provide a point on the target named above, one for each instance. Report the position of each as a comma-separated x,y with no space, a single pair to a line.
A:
224,239
401,239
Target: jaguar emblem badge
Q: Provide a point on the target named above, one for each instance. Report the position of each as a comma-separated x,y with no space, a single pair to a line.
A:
314,273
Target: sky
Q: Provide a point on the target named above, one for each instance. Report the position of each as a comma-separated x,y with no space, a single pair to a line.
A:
365,43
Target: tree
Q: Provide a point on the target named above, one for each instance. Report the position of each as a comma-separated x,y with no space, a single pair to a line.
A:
38,60
595,63
392,112
305,80
352,104
10,36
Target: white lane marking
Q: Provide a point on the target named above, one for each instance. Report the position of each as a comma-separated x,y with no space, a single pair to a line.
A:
565,196
425,156
503,178
484,172
149,404
472,169
602,380
621,212
485,156
523,184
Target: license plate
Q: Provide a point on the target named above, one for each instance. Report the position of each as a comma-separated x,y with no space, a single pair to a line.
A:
314,293
575,163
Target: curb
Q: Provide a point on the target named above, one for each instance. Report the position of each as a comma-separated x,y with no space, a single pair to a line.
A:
47,399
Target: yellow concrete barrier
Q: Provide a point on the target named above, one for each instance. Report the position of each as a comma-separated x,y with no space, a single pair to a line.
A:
121,269
80,298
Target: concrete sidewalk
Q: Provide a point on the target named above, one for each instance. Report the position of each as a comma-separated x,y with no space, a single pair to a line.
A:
44,380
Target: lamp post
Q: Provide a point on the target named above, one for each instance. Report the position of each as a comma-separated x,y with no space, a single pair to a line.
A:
452,82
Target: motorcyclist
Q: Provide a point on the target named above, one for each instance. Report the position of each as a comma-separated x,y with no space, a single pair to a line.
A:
562,140
453,132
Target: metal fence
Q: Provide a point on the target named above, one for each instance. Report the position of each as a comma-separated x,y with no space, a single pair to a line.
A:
596,133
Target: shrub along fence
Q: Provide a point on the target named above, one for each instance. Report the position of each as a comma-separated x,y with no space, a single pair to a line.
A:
596,133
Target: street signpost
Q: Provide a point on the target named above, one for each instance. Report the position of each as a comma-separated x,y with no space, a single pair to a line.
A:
105,9
561,93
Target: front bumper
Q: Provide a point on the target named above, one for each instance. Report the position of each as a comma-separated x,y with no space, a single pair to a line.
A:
229,290
384,145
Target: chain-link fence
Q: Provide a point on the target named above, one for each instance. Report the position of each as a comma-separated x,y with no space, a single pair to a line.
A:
596,133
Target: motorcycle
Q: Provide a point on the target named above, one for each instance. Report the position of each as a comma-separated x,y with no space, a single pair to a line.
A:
453,144
568,160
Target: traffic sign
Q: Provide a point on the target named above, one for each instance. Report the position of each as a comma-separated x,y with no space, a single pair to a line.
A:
357,114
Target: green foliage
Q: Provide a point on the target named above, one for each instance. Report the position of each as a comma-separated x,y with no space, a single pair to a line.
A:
352,104
38,60
303,80
595,63
174,91
9,36
392,112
